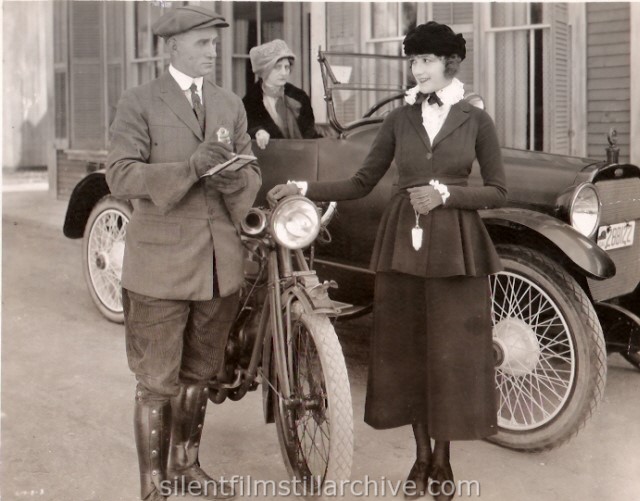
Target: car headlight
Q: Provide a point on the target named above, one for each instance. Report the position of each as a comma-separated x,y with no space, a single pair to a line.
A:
295,222
584,211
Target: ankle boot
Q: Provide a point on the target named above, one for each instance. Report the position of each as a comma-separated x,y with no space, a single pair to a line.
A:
152,426
442,486
188,412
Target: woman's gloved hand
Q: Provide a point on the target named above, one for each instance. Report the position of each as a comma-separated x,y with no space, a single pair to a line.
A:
282,190
262,138
424,198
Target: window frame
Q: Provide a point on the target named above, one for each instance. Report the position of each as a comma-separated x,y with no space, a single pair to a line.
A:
490,33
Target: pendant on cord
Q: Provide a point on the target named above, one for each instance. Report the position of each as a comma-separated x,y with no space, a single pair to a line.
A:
416,233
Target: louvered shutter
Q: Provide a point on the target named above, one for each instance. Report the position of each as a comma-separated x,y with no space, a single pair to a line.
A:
87,80
115,21
557,65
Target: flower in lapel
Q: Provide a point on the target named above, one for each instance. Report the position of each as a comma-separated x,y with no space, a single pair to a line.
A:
223,136
411,95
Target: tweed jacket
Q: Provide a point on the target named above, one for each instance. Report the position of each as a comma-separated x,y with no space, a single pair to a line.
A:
455,241
259,118
179,221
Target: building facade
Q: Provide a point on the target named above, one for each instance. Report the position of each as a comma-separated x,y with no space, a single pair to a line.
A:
554,76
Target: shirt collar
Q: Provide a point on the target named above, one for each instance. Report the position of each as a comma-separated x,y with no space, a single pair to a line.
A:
185,81
452,93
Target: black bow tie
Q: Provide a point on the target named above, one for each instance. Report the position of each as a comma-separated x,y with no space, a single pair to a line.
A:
431,98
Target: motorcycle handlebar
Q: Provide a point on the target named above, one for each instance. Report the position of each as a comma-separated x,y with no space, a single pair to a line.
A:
328,214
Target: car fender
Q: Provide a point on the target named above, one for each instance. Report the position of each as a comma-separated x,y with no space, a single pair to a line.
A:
86,194
580,250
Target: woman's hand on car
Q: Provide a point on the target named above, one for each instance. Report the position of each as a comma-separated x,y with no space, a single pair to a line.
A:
424,198
282,190
262,138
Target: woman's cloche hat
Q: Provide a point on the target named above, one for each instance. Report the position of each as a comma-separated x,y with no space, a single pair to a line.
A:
434,38
264,57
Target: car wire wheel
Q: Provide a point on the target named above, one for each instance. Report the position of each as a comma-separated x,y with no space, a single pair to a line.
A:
104,243
549,351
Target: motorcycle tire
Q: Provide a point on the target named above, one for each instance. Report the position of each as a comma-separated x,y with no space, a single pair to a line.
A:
315,429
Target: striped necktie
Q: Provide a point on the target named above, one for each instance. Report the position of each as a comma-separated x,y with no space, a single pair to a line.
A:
198,109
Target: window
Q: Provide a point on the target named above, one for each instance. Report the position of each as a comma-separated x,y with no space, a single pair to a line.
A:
254,23
531,90
380,30
149,58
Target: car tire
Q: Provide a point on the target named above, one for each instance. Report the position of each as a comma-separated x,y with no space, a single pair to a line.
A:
550,352
102,254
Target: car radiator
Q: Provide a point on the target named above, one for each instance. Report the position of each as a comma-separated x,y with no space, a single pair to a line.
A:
620,203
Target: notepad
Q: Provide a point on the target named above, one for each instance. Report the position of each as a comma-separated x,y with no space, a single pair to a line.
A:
231,165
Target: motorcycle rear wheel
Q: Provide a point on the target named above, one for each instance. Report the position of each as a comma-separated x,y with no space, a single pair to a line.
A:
315,428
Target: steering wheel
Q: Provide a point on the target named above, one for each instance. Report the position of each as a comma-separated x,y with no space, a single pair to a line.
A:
382,103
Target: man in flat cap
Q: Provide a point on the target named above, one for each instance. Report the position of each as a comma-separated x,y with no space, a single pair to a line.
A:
183,262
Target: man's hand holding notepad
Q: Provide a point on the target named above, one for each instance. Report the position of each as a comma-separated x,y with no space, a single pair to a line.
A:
233,164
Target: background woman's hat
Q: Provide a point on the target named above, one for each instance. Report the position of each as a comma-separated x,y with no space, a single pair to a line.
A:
186,18
434,38
264,57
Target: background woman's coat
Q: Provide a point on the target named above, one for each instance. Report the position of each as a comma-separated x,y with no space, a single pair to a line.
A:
258,117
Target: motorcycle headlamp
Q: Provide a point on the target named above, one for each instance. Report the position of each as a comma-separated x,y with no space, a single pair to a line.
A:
584,210
295,222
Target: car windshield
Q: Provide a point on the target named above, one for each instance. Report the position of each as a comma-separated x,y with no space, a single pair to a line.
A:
363,85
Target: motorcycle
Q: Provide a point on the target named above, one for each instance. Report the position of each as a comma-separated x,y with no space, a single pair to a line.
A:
283,339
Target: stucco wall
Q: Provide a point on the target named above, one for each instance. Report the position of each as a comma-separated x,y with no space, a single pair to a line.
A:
25,120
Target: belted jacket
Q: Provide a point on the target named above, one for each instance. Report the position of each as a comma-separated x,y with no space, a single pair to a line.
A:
455,241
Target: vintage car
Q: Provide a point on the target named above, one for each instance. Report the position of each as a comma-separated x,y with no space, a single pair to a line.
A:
568,240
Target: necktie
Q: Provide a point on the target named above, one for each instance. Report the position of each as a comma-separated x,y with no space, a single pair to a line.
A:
431,97
198,109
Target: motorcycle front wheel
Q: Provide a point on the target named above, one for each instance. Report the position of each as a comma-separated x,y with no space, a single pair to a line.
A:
315,426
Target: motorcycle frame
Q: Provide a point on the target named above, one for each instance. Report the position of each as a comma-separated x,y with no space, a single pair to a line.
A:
286,283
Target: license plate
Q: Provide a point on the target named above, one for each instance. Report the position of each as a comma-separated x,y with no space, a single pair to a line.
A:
615,236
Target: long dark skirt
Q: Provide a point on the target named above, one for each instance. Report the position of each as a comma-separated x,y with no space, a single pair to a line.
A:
431,356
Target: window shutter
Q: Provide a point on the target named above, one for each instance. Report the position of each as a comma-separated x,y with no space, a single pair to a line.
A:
557,108
87,82
60,65
115,56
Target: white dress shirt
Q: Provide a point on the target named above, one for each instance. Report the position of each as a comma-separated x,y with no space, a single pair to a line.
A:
185,81
433,115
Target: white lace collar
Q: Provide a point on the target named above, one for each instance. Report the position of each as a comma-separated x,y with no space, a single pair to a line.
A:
450,94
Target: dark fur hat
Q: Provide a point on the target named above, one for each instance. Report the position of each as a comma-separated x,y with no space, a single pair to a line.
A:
434,38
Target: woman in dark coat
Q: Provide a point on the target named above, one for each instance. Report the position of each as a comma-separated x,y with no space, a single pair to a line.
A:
431,356
275,108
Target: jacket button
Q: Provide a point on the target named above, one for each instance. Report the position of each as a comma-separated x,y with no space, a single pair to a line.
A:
429,155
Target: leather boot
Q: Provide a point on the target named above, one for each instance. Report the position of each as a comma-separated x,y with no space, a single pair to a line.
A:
188,412
152,426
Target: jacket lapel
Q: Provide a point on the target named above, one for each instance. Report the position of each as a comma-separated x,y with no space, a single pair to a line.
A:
458,114
212,110
172,94
415,117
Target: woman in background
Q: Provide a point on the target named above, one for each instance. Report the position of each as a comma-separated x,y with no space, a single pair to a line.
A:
431,360
275,108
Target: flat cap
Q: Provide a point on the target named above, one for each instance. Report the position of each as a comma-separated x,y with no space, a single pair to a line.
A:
186,18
